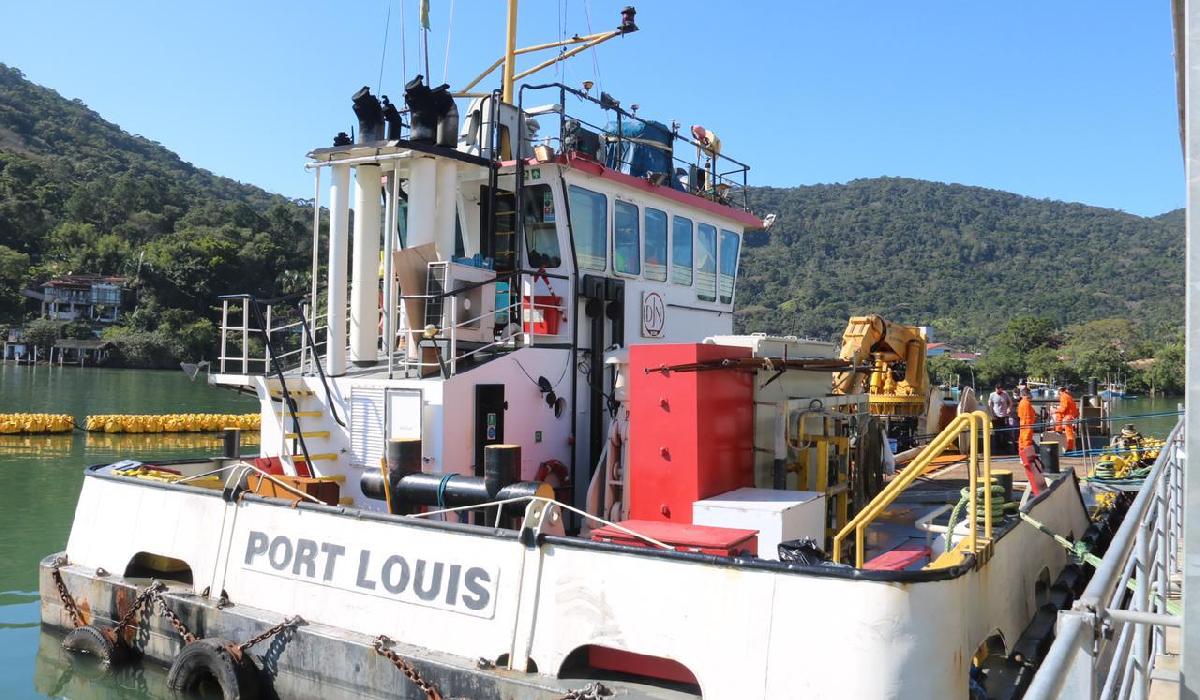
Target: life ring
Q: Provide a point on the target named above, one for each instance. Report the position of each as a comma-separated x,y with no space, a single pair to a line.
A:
94,642
212,659
552,466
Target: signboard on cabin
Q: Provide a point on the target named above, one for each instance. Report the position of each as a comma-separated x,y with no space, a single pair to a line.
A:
654,315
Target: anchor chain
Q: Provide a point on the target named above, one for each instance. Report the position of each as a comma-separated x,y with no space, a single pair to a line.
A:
172,618
591,691
289,622
383,647
65,596
144,599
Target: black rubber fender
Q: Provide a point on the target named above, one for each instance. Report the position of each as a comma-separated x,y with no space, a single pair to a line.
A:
1072,577
94,642
210,661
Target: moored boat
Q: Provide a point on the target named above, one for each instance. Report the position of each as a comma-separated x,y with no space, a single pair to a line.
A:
527,457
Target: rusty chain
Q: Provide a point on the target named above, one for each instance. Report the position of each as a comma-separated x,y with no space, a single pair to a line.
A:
591,691
65,596
383,647
172,618
144,599
289,622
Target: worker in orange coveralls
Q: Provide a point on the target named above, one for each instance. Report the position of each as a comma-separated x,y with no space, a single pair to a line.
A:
1025,447
1066,416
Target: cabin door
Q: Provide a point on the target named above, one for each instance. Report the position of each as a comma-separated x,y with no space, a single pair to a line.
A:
489,420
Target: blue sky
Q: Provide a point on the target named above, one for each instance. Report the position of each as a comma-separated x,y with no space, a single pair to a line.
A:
1065,100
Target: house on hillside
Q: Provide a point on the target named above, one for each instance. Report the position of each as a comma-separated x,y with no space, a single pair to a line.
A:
92,298
943,350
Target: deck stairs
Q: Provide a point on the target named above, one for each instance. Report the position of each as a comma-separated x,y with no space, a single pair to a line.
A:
303,421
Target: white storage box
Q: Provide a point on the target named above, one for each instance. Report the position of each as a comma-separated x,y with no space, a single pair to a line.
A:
777,515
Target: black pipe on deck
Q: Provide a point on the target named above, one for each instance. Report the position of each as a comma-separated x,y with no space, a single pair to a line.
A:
407,488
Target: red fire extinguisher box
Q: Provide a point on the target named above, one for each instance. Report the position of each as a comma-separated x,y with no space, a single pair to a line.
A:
691,433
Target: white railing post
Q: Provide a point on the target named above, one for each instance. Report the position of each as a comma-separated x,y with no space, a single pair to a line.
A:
224,333
245,336
267,342
453,333
1141,602
303,307
1163,557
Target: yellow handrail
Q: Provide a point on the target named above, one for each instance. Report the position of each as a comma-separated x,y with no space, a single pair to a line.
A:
975,422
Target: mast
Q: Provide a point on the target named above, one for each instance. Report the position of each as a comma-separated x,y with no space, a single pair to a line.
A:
510,52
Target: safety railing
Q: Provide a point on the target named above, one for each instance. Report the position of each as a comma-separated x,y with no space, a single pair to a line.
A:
719,177
243,338
1107,643
976,423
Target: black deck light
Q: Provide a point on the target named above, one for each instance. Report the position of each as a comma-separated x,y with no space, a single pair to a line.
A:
370,115
391,116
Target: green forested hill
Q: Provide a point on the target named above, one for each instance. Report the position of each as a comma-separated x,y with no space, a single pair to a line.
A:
78,194
962,259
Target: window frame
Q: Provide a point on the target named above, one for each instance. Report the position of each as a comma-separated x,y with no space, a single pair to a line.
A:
666,219
575,237
525,226
721,235
618,202
716,263
690,267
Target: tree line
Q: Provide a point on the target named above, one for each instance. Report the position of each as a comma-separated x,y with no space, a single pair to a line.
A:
1031,347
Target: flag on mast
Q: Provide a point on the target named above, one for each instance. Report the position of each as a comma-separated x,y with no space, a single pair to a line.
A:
425,14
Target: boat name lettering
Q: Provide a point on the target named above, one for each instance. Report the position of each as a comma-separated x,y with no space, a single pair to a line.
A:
438,584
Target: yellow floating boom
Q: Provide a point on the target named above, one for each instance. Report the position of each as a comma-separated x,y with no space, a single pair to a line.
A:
14,423
172,423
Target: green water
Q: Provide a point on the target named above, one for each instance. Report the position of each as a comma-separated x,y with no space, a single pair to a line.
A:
1137,409
41,477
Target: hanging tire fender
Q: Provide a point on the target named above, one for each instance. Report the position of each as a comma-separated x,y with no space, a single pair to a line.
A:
218,660
97,642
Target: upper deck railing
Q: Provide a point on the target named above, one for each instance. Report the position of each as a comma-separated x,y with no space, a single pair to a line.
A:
711,174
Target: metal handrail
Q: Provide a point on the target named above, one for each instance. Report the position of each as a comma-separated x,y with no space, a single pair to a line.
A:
1104,646
975,422
606,105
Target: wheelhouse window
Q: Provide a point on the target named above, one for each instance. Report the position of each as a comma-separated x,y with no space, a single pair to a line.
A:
656,245
541,232
681,251
589,226
728,260
706,262
627,239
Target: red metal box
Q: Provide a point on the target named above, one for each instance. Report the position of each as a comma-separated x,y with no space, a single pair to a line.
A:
691,433
719,541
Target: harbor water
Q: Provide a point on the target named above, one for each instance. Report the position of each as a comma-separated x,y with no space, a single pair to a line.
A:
41,480
41,477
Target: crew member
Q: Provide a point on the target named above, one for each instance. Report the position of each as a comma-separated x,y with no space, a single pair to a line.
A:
1001,405
1066,416
1025,447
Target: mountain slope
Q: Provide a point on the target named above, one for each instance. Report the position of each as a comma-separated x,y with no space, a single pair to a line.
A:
963,259
78,194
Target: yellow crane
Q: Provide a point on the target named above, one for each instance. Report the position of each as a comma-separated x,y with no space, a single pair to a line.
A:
898,384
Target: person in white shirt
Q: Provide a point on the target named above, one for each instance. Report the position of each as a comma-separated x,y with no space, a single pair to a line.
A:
1002,405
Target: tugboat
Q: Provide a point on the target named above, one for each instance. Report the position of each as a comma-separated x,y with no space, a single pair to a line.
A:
512,448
